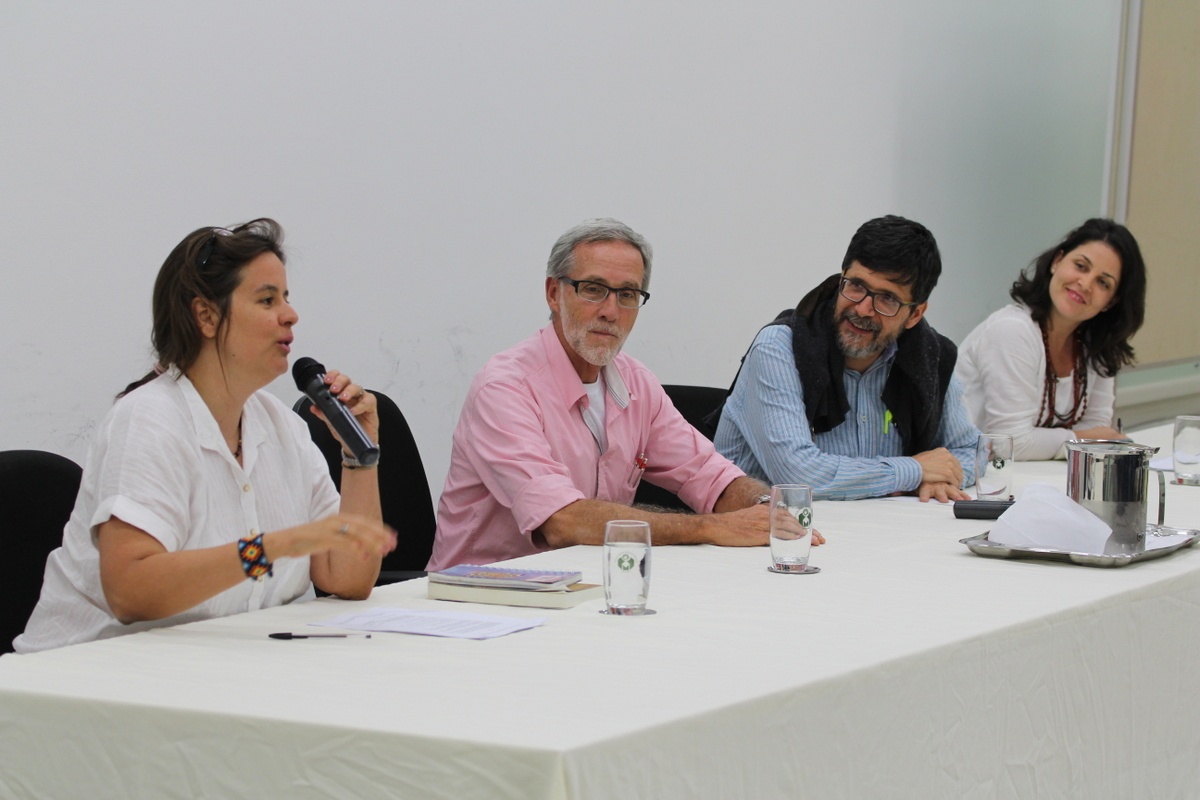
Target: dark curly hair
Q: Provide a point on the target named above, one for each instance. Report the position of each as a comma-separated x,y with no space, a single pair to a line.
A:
903,250
1105,337
206,264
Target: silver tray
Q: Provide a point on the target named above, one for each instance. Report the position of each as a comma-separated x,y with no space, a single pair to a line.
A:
979,545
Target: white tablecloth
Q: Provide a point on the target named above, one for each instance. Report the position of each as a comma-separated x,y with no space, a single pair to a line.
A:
908,667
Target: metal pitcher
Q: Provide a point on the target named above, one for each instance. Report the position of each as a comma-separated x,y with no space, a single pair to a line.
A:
1110,479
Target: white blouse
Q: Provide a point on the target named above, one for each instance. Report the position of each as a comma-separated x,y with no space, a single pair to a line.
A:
1002,367
160,463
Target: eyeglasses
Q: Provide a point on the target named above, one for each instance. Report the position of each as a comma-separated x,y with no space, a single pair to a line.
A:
596,292
884,303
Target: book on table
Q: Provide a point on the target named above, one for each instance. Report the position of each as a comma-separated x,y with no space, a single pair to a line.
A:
529,580
566,597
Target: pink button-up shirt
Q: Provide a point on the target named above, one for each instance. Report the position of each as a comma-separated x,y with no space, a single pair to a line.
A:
522,451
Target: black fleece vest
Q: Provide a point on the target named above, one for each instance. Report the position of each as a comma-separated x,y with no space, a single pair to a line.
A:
915,390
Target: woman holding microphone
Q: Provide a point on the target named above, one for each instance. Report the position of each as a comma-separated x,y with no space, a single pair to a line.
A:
203,495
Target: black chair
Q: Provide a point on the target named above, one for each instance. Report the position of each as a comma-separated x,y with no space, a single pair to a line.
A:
403,487
694,403
37,494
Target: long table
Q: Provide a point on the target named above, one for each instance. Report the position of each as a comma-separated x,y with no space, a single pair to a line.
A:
908,667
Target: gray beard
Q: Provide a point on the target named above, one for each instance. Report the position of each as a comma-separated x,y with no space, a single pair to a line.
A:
597,356
867,348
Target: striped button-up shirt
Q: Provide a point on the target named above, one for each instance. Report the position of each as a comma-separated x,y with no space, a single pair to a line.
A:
765,431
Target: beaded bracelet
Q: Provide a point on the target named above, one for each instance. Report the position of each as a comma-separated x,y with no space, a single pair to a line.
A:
254,557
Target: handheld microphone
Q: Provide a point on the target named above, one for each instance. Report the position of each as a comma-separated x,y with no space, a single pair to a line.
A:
310,379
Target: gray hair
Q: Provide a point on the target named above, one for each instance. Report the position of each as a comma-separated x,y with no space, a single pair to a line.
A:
602,229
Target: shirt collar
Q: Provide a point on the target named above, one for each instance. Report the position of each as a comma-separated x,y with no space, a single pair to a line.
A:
889,353
208,433
883,362
567,379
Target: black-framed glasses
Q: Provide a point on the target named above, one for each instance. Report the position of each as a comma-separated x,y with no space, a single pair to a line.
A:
884,303
596,292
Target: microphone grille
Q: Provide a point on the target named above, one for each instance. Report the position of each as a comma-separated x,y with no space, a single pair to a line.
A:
304,370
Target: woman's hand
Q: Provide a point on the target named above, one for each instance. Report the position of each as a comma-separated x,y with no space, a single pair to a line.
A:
345,551
360,402
353,534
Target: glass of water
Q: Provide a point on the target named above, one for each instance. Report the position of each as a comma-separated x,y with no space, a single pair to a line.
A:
791,529
627,566
994,467
1185,449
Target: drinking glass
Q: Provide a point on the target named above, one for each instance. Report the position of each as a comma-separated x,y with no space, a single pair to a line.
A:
994,467
1185,449
627,566
791,529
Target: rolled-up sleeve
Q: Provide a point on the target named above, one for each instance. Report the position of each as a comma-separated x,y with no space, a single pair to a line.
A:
683,460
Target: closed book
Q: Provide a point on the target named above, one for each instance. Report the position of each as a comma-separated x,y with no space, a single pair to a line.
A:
572,595
538,580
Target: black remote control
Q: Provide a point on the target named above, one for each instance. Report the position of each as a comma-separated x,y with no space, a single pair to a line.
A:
980,509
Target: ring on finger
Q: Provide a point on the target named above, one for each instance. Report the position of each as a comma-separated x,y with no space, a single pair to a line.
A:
344,530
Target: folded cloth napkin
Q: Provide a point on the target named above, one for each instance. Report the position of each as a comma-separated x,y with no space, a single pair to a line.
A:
1045,517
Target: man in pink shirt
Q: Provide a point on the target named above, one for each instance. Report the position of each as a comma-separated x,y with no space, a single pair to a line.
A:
556,433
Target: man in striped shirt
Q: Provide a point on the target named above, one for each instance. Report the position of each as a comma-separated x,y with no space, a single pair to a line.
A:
852,392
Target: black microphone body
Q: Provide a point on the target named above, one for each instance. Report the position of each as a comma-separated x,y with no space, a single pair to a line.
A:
310,379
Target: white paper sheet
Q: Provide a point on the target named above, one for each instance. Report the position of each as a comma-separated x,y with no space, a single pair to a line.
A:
449,624
1045,517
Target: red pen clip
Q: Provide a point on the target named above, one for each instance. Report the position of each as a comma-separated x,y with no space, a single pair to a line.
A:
639,468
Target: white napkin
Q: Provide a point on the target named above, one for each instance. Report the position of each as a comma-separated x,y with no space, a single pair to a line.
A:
1045,517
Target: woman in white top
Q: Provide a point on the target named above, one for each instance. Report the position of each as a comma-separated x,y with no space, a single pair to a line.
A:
1043,370
202,495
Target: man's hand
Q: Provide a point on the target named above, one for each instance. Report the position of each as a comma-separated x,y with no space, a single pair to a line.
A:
939,466
940,491
746,527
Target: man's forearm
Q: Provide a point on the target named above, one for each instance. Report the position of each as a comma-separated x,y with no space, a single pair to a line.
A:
741,492
583,521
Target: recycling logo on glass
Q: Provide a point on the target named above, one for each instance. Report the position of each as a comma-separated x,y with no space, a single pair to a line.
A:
625,562
804,517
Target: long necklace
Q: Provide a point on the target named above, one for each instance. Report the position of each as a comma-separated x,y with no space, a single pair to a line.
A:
1048,416
238,453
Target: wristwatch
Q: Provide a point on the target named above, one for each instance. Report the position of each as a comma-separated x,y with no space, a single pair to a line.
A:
349,461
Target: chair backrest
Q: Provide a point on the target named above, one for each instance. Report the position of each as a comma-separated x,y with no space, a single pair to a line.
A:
403,486
37,494
694,403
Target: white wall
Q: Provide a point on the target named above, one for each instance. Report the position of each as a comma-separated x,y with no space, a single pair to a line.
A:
423,156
